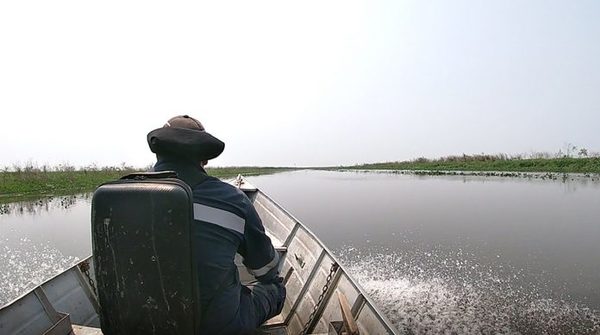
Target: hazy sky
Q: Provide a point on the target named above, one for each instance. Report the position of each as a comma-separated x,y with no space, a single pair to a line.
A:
298,83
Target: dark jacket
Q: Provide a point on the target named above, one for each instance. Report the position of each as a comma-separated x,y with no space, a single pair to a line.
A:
225,223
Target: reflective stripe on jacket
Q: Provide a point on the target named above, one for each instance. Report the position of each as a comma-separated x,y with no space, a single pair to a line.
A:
225,223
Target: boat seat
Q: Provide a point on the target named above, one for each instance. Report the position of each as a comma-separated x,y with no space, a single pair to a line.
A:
142,246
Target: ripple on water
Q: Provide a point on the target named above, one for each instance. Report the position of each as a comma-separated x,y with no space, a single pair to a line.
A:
26,264
456,297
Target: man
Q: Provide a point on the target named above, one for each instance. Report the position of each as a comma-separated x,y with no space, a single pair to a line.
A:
225,223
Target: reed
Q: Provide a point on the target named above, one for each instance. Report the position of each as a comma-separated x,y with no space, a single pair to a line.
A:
49,182
483,162
33,181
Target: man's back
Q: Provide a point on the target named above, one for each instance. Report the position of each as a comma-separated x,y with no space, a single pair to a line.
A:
225,223
219,219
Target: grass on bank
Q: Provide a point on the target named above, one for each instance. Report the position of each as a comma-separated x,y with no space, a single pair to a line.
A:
34,182
491,163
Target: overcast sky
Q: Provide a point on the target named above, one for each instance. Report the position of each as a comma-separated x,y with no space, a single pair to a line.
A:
297,84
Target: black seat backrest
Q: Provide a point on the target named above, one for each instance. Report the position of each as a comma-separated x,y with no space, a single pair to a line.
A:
142,245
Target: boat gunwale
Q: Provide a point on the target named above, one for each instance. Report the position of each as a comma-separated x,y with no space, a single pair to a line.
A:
63,271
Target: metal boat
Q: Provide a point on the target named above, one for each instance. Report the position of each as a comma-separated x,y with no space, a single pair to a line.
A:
322,297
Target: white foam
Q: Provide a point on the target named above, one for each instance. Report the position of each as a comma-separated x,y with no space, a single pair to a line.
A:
25,265
419,299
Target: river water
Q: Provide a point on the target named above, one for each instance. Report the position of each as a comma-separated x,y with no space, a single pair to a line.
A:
438,254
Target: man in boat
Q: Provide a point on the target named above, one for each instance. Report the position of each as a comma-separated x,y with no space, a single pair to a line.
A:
225,223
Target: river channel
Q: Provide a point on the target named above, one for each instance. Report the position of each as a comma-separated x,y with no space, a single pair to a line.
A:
438,254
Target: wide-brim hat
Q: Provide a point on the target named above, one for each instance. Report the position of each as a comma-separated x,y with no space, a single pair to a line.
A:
184,136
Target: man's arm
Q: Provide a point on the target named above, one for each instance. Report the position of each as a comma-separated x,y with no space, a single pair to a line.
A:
260,257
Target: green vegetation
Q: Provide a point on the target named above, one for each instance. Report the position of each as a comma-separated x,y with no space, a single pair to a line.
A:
39,182
492,163
32,181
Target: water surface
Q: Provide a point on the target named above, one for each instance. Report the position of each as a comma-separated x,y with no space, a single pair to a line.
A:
439,254
460,254
40,238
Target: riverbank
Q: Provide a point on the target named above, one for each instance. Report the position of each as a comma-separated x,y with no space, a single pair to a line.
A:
587,165
15,185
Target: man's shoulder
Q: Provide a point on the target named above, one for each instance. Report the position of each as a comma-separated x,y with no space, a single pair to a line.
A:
213,183
216,190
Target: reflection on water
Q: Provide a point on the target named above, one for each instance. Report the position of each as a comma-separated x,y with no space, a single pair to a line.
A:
44,205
